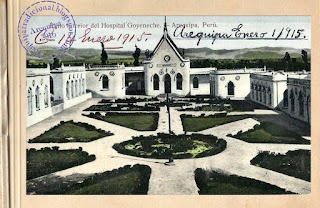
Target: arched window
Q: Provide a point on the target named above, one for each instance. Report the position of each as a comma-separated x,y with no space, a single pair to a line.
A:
76,88
285,98
292,101
179,81
252,91
301,104
79,87
105,82
51,85
155,82
68,90
265,95
72,89
195,82
83,87
270,98
37,96
29,101
230,88
46,97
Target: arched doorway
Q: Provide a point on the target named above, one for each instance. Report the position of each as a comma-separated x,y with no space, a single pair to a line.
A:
167,83
230,88
155,82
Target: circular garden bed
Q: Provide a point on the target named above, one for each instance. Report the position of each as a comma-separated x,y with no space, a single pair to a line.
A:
164,146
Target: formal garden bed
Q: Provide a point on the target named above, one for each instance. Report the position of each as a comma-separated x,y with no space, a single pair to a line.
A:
123,107
129,100
136,121
164,146
198,123
268,132
50,160
127,180
214,183
69,131
294,163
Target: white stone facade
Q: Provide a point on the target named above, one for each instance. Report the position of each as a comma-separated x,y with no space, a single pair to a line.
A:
165,71
232,83
268,88
299,97
38,95
106,81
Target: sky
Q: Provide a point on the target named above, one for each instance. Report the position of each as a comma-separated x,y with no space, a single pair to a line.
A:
125,34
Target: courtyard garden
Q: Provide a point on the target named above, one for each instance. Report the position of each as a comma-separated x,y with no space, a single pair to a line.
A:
214,183
136,121
69,131
50,160
268,132
294,163
198,123
164,146
123,107
127,180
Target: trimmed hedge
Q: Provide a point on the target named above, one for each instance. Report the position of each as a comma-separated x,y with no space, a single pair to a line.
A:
129,100
69,131
268,132
198,123
182,146
50,160
123,107
295,163
136,121
214,183
124,180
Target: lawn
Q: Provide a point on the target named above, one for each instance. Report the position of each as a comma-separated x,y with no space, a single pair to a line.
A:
214,183
123,181
293,163
268,132
136,121
164,146
194,124
71,132
47,160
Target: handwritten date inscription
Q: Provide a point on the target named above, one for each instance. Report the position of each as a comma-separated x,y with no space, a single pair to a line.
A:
285,33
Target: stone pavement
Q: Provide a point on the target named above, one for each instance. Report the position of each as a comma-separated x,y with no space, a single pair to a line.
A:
178,178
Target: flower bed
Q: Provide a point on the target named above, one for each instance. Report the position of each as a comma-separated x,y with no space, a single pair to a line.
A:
164,146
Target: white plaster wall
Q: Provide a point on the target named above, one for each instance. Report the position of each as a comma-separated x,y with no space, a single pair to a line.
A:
241,86
204,84
44,111
116,82
277,89
306,117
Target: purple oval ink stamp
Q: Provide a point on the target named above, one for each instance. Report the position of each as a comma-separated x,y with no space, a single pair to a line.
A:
46,29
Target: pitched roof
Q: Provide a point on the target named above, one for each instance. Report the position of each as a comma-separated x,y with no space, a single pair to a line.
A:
167,38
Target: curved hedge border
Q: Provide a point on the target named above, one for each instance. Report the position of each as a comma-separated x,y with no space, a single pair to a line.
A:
180,144
58,133
50,160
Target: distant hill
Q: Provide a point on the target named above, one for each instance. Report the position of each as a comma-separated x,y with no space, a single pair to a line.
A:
79,54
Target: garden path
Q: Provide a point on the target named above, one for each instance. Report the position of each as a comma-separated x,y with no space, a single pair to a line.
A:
178,178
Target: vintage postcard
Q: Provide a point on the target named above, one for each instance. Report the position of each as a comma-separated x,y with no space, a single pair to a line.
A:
125,110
